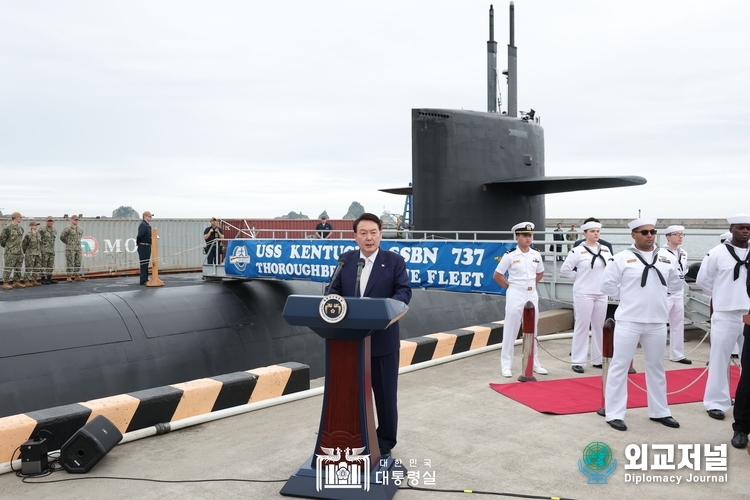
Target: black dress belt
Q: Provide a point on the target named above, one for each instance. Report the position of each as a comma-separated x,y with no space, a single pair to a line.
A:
145,244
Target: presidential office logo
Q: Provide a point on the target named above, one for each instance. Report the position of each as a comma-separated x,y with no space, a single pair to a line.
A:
89,246
240,258
350,471
597,463
332,308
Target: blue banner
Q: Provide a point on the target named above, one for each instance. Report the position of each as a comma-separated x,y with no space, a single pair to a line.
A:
459,266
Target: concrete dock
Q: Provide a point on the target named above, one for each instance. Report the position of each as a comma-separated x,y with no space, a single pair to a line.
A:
452,425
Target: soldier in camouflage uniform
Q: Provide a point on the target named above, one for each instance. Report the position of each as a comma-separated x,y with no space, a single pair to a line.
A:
71,236
32,247
11,239
48,236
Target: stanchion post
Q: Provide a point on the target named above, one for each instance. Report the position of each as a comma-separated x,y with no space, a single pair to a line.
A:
154,281
527,364
608,350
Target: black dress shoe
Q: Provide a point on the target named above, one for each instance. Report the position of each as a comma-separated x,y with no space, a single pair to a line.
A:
668,421
684,361
717,414
597,366
618,425
385,451
578,368
740,439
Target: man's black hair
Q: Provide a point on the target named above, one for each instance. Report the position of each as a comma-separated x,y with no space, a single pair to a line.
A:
368,216
592,219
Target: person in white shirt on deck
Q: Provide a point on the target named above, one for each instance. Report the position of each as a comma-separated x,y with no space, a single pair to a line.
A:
640,277
676,301
724,277
585,265
525,268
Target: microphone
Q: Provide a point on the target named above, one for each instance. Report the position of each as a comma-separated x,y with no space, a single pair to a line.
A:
335,274
360,266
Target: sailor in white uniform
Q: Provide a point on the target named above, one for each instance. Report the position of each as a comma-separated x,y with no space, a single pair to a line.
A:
641,277
585,265
724,277
525,268
676,301
736,350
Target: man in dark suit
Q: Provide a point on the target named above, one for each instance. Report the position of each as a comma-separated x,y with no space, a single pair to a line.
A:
384,276
143,243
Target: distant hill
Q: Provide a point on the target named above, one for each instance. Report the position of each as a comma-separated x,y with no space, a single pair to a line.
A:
125,213
293,215
355,210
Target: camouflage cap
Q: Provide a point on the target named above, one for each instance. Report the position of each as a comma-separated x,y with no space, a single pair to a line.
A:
33,223
74,217
50,218
15,214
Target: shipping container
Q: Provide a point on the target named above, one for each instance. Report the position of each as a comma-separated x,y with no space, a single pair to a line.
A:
108,245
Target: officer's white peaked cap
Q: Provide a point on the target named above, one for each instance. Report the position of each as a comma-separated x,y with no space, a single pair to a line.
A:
523,227
643,221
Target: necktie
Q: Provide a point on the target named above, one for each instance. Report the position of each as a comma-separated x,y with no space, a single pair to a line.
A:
644,277
365,276
595,255
739,265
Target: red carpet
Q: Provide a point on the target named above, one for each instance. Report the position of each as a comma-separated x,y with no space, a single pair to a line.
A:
584,394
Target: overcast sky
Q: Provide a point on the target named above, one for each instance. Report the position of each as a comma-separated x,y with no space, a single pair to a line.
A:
253,109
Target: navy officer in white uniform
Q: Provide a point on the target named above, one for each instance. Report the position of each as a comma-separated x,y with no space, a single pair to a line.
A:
724,277
676,301
640,277
525,268
585,265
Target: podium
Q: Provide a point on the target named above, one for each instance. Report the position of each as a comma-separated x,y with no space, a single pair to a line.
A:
346,462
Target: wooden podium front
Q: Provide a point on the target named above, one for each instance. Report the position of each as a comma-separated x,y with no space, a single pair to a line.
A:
346,462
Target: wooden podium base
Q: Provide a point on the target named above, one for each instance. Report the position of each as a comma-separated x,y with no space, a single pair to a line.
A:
304,484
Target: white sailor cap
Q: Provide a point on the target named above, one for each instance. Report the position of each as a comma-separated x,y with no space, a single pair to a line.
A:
739,219
674,229
591,225
643,221
725,236
523,227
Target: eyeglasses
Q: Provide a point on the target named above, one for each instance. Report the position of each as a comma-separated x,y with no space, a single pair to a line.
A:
646,232
679,235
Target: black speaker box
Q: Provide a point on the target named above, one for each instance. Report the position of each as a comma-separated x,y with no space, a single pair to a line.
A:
34,457
86,447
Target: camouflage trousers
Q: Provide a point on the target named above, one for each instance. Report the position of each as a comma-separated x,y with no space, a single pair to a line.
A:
73,262
32,267
47,263
13,263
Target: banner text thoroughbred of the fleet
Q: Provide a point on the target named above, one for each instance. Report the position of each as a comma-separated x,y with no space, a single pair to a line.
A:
461,266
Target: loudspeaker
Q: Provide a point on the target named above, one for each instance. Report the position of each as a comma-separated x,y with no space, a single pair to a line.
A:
86,447
34,457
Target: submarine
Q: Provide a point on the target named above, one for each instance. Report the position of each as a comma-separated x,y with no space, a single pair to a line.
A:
472,171
485,171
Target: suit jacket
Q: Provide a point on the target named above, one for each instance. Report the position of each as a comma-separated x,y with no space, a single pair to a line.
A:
388,279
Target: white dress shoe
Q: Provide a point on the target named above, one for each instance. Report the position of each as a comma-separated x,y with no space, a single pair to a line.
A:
540,370
506,372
